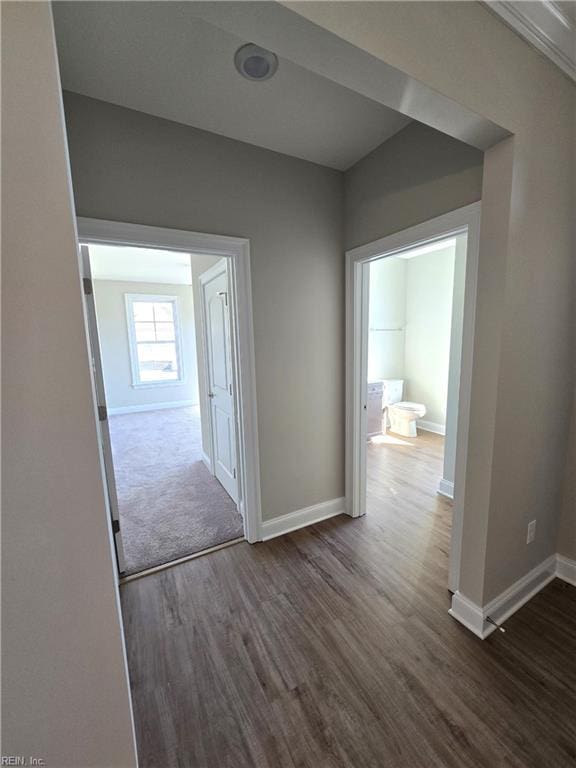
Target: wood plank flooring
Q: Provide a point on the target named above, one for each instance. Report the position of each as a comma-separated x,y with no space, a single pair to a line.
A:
332,647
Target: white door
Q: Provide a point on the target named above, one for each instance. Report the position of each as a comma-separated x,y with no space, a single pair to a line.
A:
219,376
104,430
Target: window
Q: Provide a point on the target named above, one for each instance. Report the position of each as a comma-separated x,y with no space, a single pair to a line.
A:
154,336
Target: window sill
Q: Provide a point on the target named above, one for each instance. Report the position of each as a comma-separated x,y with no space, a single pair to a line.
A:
157,384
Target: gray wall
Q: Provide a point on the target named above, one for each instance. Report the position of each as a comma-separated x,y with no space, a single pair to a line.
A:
109,296
131,167
417,174
64,682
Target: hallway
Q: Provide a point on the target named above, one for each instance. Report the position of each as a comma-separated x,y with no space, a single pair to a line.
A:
332,647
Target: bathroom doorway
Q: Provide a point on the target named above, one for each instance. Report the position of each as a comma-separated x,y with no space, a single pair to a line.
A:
411,299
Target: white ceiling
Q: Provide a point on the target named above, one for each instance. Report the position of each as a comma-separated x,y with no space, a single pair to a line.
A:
161,59
140,265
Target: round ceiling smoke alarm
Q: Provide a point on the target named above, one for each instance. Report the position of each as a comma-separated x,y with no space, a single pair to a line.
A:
255,63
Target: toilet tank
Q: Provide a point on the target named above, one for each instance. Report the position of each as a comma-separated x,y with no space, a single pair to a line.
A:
393,390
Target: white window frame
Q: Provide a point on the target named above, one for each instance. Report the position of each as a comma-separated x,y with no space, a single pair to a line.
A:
129,299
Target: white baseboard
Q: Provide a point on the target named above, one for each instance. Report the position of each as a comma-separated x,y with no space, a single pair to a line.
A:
446,488
302,517
566,569
506,603
208,462
150,407
431,426
470,615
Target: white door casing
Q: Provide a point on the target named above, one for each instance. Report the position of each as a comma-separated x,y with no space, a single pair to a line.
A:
236,250
219,375
103,427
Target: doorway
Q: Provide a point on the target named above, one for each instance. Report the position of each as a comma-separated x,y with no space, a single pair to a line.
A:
166,328
385,384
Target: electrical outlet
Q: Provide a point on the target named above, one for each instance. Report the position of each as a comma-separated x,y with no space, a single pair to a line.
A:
531,535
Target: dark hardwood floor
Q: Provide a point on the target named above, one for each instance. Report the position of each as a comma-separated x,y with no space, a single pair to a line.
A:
332,647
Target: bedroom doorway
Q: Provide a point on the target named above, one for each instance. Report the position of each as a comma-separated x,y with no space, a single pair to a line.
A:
170,390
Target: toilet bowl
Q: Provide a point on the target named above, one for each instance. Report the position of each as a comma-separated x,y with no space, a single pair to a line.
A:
403,417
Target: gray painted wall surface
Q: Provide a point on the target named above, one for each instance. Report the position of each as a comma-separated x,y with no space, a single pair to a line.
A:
132,167
416,175
64,681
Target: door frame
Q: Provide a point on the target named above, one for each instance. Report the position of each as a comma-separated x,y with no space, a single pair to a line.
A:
237,251
209,274
459,221
99,394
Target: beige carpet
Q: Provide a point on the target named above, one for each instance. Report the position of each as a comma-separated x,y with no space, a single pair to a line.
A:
170,505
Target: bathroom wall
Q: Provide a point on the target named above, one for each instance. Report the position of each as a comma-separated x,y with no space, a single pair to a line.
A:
410,319
387,317
429,288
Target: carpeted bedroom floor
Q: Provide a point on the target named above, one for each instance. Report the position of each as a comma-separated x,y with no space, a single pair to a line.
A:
169,503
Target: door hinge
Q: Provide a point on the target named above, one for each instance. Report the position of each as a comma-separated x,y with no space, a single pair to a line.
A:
87,285
102,413
230,388
115,526
225,294
234,473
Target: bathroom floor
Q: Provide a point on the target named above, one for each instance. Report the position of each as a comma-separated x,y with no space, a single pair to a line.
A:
408,470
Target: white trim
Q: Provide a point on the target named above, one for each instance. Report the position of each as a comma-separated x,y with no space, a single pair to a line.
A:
446,488
212,272
462,220
506,603
513,598
544,25
238,251
122,409
129,299
278,526
566,569
432,426
208,462
470,615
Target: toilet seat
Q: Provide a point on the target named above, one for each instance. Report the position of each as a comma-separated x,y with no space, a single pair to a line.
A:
419,409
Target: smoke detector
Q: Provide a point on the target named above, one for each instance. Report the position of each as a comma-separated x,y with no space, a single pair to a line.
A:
255,63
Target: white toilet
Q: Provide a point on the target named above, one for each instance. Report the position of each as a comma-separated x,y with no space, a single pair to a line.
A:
402,414
403,417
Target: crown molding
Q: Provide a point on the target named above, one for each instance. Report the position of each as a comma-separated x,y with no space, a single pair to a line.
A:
545,25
